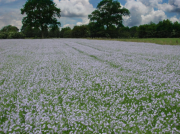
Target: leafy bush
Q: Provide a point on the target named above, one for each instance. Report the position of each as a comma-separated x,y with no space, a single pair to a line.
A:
9,28
15,35
80,31
3,35
67,34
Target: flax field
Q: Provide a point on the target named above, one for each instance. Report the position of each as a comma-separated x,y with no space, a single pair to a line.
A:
74,86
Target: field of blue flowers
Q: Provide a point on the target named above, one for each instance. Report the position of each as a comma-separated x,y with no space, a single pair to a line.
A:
88,86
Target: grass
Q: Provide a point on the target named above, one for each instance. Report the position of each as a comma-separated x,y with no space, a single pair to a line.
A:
161,41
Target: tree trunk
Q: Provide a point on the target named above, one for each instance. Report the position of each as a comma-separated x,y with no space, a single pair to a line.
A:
42,34
42,31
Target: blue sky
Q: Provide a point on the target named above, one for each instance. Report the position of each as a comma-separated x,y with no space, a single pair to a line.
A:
75,12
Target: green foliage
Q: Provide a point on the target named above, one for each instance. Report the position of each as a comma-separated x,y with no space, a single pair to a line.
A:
40,14
96,29
3,35
11,32
124,32
63,30
134,31
109,15
15,35
80,31
27,30
142,31
176,30
12,35
112,32
164,29
9,28
31,32
35,32
54,31
77,32
67,34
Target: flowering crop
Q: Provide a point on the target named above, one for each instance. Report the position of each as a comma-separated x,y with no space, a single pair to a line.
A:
88,86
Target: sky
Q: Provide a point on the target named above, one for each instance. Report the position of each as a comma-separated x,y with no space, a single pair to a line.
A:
75,12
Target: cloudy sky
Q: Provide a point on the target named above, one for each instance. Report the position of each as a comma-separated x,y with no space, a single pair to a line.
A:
75,12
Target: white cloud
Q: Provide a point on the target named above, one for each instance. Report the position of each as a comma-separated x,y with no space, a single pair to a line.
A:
176,3
174,19
72,22
137,6
68,21
172,6
137,9
11,18
154,16
68,25
74,8
142,12
84,22
166,7
7,1
151,3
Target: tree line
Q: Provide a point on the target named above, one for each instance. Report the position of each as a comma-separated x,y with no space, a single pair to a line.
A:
11,32
163,29
105,22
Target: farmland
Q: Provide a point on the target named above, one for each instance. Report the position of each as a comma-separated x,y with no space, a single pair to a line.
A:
88,86
161,41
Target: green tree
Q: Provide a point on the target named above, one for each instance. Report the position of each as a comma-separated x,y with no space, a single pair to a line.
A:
54,31
151,30
96,30
109,13
134,31
124,32
164,28
148,30
37,32
27,30
10,32
31,31
40,14
176,29
80,31
3,35
142,31
67,34
63,30
9,28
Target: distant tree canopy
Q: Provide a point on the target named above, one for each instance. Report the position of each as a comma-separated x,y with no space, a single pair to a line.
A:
65,32
40,14
54,31
108,16
9,28
80,31
10,32
164,29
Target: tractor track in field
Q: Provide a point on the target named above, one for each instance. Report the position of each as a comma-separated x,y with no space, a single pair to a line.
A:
98,59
